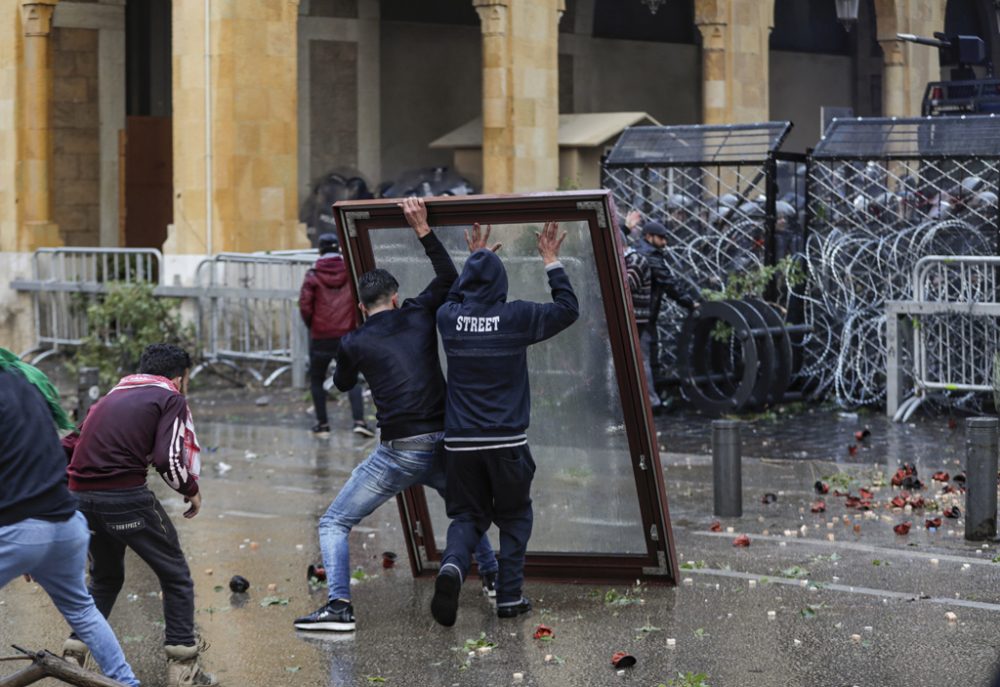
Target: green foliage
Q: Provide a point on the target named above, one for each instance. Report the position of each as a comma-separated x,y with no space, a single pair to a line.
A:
741,285
687,680
121,324
752,283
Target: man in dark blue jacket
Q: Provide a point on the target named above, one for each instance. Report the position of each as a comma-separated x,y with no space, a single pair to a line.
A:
41,533
487,461
396,350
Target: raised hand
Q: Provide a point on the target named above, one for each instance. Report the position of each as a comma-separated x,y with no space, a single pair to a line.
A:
415,213
549,241
478,240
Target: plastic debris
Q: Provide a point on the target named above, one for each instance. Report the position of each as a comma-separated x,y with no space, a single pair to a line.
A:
902,528
222,468
622,659
238,584
715,526
671,642
951,617
388,559
742,541
518,677
771,615
940,476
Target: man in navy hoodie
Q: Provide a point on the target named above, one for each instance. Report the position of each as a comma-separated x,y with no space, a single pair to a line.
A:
42,536
487,461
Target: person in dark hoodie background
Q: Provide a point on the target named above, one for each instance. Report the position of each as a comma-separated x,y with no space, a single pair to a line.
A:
327,306
41,533
488,464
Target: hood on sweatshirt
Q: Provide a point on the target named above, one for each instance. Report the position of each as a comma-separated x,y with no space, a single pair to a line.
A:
483,279
331,271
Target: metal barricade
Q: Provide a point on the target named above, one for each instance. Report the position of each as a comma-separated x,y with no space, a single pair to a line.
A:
66,280
883,193
946,338
248,312
730,200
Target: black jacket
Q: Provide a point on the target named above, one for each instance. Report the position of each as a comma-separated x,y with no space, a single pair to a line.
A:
397,352
664,283
32,462
486,340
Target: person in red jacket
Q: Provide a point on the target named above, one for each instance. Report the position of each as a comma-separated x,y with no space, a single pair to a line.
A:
328,308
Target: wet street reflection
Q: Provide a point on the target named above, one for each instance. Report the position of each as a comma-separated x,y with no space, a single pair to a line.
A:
852,602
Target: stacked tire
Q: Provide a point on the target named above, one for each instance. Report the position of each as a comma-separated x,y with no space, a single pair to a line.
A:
736,355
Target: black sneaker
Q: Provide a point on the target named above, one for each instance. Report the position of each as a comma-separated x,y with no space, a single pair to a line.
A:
489,584
444,605
336,616
321,429
363,429
514,610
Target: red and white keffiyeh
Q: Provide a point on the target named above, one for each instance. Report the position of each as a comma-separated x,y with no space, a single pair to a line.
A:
185,449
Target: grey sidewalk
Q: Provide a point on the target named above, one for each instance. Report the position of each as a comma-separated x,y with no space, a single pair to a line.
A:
853,604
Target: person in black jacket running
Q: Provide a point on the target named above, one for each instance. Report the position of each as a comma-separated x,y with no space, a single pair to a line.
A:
488,465
397,351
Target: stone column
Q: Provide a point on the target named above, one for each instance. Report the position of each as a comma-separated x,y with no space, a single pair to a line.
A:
907,67
735,57
520,94
37,227
235,153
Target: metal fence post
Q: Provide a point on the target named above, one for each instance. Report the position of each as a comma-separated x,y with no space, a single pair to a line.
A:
300,351
727,472
88,391
981,478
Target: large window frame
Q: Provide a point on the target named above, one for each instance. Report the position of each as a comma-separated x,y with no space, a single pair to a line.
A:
356,220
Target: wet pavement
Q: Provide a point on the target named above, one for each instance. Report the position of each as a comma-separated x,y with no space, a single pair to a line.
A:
853,603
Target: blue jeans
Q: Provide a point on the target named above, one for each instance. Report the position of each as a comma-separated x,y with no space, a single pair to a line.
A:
382,475
55,555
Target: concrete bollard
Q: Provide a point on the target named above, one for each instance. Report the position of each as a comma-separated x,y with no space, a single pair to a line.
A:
981,478
88,391
727,468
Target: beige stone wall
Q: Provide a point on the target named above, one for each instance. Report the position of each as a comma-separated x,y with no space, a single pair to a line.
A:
802,83
253,174
76,198
422,103
908,67
520,94
10,48
735,57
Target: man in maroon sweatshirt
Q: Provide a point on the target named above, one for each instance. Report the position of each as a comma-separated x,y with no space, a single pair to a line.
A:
143,421
328,308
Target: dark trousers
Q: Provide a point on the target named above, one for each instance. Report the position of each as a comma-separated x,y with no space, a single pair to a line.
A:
135,519
492,485
321,354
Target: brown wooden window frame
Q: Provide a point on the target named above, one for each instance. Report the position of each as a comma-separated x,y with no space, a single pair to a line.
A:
357,219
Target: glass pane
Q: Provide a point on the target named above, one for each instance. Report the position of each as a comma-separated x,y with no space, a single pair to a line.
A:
584,489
